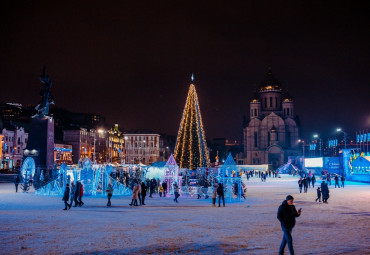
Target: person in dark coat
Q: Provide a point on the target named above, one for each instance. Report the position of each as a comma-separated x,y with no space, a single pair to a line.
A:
73,190
342,179
336,179
328,178
318,194
66,197
305,184
300,185
109,194
76,193
286,215
325,192
152,187
164,185
143,192
16,182
308,181
313,180
220,193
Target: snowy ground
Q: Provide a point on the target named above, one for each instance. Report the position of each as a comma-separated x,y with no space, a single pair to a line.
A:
31,224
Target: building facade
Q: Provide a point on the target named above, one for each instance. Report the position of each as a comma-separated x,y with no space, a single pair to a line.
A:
13,144
142,148
272,132
99,145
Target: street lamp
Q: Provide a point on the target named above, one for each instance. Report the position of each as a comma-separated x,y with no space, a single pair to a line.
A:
302,141
127,150
320,144
344,137
100,131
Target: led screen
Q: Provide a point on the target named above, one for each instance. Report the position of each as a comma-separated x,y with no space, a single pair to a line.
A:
313,162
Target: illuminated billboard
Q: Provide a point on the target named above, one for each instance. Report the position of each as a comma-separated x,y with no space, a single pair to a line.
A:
313,162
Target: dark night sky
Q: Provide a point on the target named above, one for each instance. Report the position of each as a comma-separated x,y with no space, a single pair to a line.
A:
131,61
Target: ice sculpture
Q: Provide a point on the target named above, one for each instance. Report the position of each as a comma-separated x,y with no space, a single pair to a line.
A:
95,179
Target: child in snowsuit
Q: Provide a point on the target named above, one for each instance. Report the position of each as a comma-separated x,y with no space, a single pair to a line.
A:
160,191
318,194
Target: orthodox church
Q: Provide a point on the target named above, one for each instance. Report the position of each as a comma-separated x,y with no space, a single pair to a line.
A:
271,134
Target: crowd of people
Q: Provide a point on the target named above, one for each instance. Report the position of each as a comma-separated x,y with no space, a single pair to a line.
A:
74,194
306,181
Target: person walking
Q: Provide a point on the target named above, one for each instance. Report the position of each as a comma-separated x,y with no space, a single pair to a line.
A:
342,179
336,180
134,194
286,214
66,198
313,180
220,193
318,190
80,194
73,190
160,190
325,192
214,194
300,185
176,191
109,193
76,192
164,185
143,192
328,178
139,191
152,187
305,184
16,182
308,181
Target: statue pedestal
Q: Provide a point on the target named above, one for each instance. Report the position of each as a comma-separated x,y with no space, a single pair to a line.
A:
40,144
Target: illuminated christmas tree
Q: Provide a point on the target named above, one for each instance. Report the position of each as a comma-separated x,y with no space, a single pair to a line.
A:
191,146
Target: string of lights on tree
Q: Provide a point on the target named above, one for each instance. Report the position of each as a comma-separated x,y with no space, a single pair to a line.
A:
191,146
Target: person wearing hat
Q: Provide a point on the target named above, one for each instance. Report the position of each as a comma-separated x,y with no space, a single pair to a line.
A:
286,215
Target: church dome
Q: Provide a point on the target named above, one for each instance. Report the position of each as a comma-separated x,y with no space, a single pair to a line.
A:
270,83
255,98
287,97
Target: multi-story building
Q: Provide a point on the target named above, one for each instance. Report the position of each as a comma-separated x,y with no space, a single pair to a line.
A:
272,132
141,148
13,144
82,141
115,145
100,145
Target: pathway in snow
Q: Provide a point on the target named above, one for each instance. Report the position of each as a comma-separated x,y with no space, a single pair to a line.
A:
31,224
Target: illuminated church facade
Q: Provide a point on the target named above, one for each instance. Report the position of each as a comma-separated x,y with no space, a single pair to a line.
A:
271,135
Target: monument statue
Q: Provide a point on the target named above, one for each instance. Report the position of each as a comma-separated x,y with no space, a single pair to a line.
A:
41,135
46,98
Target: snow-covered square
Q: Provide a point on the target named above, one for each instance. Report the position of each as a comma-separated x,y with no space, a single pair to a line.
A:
34,224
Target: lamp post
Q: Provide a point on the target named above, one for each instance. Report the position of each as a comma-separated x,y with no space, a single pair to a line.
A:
320,142
344,137
100,131
126,145
302,141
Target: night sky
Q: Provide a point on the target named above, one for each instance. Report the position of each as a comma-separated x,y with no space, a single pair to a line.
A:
131,61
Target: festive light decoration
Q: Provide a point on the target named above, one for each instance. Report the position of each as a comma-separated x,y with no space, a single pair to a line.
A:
191,146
